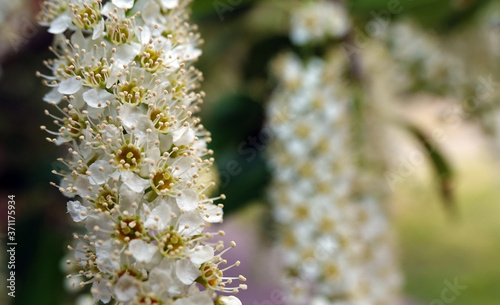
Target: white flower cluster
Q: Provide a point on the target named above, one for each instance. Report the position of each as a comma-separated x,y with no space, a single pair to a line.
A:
316,22
15,18
425,62
335,235
138,169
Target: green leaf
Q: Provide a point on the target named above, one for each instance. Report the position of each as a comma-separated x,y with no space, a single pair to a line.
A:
440,164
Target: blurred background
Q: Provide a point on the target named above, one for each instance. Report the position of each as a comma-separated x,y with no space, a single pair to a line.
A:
444,176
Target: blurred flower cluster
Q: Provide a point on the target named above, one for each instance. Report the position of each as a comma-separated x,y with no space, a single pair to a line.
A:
315,22
424,62
336,238
330,205
15,18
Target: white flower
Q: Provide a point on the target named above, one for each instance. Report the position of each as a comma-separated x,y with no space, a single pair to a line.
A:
316,22
77,211
335,241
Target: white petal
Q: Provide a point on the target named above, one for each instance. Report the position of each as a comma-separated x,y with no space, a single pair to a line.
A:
201,255
165,142
188,200
134,182
114,71
98,30
163,278
185,170
94,113
154,154
78,39
142,251
100,172
77,101
193,52
169,3
84,299
107,9
60,24
102,221
195,297
183,136
186,271
75,209
213,213
130,115
145,34
82,184
111,132
104,253
162,213
128,197
126,288
141,132
100,291
80,253
97,97
193,221
53,96
125,4
69,86
125,54
230,300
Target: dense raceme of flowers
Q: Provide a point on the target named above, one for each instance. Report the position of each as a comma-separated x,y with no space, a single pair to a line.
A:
138,169
329,198
424,62
335,238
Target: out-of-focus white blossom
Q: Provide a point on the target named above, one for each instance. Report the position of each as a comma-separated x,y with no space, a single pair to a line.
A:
317,22
425,62
16,26
335,238
138,171
328,191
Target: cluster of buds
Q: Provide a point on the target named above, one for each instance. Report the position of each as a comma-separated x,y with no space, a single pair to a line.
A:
138,167
329,201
